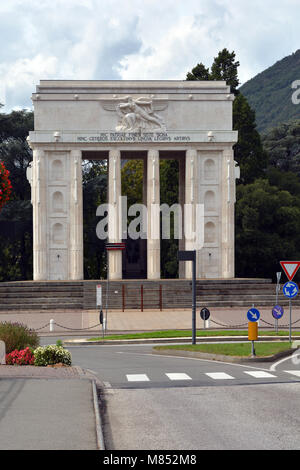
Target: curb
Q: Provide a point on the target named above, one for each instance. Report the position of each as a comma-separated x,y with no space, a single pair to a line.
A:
200,339
223,358
99,432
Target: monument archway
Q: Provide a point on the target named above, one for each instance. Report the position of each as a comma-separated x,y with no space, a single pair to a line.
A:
189,118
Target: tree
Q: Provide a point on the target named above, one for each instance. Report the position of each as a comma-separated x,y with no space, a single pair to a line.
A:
16,215
267,228
248,151
200,72
283,146
225,68
94,177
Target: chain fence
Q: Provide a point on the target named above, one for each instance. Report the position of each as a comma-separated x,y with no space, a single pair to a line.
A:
222,325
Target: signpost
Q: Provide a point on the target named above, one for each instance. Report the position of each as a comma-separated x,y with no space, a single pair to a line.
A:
252,335
290,268
277,313
205,314
253,316
191,256
290,290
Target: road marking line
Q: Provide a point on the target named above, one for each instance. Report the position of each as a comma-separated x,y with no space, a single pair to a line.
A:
273,366
137,378
179,377
259,374
293,372
219,376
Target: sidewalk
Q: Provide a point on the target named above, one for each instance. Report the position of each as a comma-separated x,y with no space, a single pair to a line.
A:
135,320
55,412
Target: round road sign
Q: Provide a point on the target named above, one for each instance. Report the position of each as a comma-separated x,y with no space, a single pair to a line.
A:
278,312
290,290
205,314
253,315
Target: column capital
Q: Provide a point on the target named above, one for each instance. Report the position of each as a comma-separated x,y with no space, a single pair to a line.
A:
153,153
191,152
114,153
76,153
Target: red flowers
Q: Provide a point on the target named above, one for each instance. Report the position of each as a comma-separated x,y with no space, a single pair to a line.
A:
5,185
24,357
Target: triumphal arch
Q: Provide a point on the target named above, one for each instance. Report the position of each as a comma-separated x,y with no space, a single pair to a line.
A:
190,121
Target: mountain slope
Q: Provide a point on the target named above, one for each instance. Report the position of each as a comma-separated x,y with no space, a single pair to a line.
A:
270,94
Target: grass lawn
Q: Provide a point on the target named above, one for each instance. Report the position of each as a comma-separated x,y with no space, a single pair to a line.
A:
232,349
184,334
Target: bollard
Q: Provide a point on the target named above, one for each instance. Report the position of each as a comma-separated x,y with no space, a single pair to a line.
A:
2,353
51,325
207,324
104,324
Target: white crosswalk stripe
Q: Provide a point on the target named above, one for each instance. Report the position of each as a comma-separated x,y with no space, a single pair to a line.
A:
137,378
260,374
176,376
293,372
179,377
219,376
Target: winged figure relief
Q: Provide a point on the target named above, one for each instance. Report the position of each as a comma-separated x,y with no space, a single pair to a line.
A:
137,114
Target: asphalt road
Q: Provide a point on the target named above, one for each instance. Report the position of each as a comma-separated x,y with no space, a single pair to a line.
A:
151,405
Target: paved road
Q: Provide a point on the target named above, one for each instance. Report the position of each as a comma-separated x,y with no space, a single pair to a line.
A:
135,366
199,418
150,405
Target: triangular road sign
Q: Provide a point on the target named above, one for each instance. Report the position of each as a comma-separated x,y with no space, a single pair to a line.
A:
290,268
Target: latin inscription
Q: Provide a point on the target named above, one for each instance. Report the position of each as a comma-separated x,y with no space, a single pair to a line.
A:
133,137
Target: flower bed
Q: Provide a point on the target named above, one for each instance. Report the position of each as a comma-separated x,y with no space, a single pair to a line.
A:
25,357
5,185
50,355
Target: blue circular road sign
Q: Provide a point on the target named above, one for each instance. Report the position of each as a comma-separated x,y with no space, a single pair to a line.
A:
290,290
253,315
277,312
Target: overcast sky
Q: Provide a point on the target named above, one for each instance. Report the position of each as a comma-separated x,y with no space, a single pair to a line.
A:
136,39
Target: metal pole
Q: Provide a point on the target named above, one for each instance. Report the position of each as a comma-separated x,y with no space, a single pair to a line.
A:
107,287
252,349
194,299
290,301
277,292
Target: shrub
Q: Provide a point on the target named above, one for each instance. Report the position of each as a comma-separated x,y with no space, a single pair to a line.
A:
5,185
50,355
20,358
17,336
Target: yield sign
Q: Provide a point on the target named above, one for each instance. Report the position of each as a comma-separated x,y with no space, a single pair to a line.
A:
290,268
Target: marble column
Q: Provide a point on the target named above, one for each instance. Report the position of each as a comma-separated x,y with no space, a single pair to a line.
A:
191,198
227,218
153,222
76,215
115,213
181,244
39,203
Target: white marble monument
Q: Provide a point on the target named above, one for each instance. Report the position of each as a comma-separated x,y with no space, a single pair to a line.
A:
190,120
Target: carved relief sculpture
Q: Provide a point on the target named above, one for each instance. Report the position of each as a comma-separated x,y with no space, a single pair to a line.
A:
137,114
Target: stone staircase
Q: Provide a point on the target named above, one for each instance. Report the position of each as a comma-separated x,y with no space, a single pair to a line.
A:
43,295
137,294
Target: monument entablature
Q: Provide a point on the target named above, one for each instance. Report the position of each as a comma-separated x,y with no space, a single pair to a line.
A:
187,120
